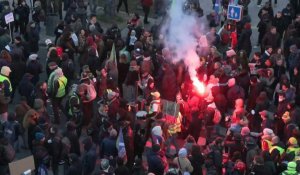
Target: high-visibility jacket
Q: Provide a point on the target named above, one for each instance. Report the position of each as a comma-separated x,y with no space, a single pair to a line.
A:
73,110
266,145
62,86
281,150
293,149
5,78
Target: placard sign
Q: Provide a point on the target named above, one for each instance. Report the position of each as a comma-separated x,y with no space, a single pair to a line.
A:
9,18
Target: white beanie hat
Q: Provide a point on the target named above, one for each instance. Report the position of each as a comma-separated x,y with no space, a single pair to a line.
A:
157,131
59,72
5,70
33,57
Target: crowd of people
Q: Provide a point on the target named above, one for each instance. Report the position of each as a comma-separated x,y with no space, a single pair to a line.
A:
120,106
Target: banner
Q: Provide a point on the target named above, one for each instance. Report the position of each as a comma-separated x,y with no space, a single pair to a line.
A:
170,108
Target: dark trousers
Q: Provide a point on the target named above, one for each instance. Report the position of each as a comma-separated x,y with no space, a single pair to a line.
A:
22,25
146,10
87,109
56,105
120,4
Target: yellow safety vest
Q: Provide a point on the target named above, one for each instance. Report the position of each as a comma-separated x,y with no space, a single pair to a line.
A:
281,150
157,102
263,145
62,86
3,78
292,149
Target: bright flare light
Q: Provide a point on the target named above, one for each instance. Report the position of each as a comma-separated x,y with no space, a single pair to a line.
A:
200,87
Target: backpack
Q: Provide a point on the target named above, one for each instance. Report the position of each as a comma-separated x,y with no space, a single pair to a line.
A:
7,154
91,92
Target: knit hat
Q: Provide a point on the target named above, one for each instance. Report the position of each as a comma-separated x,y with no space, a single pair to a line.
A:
155,94
113,133
59,72
111,95
104,164
39,136
263,113
52,65
291,166
32,57
38,104
286,117
18,38
293,48
59,51
182,153
275,140
5,70
157,131
268,134
71,126
48,41
230,53
293,141
245,131
231,82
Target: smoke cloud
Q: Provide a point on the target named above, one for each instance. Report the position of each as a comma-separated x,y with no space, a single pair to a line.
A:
182,33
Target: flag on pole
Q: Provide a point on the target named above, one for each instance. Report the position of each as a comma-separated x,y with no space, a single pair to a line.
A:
112,65
121,144
113,55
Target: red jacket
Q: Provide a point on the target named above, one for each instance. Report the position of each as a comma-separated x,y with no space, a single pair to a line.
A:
147,3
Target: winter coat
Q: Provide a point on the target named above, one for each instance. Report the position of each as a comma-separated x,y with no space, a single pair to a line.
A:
272,40
4,39
18,68
280,25
294,60
244,40
74,140
197,161
27,89
260,170
22,13
169,85
35,69
75,167
270,166
108,147
33,39
183,164
89,160
20,110
234,93
155,163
